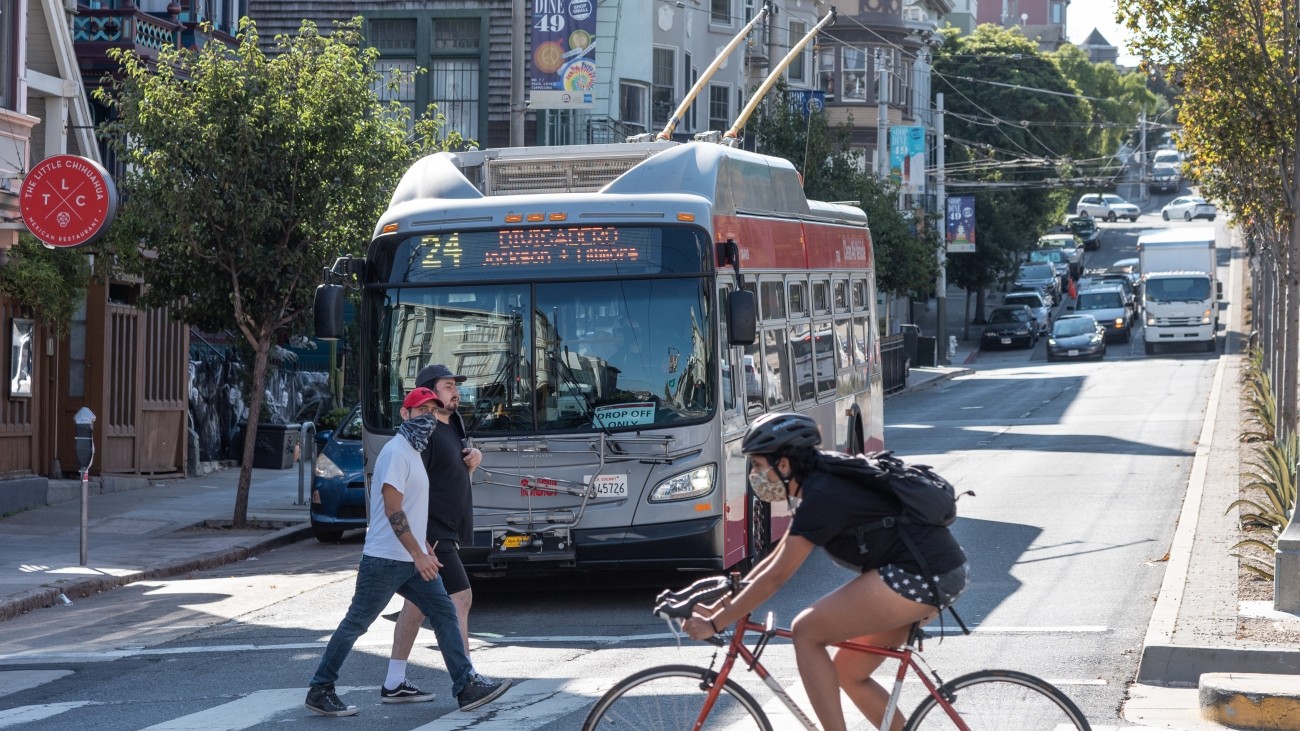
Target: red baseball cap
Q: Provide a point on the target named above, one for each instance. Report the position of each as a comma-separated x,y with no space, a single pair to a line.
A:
420,396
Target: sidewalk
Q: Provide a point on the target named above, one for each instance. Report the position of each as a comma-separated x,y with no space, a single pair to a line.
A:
168,528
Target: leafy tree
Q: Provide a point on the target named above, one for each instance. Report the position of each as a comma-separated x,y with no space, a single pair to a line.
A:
247,173
1236,63
834,171
1115,101
52,282
1009,143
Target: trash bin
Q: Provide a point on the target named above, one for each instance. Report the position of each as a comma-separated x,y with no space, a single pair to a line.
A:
926,351
910,335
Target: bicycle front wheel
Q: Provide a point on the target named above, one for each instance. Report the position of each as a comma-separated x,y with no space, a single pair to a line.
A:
999,700
672,697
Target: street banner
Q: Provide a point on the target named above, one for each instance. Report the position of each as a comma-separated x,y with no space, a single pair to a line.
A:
907,158
563,70
961,224
807,101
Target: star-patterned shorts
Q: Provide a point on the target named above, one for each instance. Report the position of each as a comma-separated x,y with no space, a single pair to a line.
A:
949,585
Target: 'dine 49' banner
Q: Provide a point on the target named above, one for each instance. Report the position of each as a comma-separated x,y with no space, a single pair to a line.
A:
563,74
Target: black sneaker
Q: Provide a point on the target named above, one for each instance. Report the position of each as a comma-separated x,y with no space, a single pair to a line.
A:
404,693
480,691
323,700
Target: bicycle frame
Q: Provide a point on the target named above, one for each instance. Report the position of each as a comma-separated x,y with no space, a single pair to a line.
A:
907,657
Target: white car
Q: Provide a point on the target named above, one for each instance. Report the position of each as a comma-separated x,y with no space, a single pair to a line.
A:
1189,207
1108,207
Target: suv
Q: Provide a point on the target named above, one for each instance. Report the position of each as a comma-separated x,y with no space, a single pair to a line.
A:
1037,304
1167,177
1041,277
1109,306
1069,245
1108,206
1085,229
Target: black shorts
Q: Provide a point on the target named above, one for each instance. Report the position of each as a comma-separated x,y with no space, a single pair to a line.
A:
939,591
452,572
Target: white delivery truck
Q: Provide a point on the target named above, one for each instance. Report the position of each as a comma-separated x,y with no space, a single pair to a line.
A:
1180,291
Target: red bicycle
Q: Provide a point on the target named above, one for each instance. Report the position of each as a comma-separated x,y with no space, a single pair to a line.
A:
680,697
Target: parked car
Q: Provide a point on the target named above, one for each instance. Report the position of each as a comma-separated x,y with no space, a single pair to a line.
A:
1010,325
1059,261
338,481
1085,229
1108,206
1037,304
1069,245
1108,306
1189,207
1041,277
1076,336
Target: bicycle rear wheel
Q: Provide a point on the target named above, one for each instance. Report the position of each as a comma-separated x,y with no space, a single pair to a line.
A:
670,697
1000,700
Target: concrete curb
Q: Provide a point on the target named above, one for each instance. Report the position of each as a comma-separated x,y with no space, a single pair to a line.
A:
1251,701
930,382
74,589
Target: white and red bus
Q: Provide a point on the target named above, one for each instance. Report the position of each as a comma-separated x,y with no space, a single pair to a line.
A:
587,294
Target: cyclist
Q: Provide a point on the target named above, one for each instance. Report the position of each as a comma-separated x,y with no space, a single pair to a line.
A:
878,607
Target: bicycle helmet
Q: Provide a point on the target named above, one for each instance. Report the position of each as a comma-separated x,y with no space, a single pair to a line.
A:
773,433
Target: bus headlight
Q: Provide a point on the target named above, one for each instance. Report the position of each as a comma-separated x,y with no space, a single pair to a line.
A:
686,486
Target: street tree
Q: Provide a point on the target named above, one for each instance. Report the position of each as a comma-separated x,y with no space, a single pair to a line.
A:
1113,101
1235,63
1013,124
833,170
246,173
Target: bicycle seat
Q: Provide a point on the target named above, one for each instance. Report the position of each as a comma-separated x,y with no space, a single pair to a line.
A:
678,604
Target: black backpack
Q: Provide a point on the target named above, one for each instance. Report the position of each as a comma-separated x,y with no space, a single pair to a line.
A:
927,498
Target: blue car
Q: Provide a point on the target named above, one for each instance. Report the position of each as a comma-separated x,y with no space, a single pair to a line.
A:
338,481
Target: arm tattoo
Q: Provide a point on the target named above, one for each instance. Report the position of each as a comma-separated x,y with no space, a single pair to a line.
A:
398,521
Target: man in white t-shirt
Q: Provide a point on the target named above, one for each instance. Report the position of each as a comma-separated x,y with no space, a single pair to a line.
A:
396,560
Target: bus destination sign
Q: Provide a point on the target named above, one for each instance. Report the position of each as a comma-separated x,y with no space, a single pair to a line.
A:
532,246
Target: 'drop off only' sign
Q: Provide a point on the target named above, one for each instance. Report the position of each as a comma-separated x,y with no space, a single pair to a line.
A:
68,201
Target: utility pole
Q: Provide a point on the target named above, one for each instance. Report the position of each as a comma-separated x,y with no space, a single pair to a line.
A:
882,117
941,280
1142,161
518,73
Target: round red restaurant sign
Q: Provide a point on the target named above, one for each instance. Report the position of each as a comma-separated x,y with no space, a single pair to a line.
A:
68,201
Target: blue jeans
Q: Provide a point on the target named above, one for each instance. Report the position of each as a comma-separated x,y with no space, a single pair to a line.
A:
378,579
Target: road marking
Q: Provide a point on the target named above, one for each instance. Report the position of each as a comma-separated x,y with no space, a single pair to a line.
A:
28,714
252,709
530,704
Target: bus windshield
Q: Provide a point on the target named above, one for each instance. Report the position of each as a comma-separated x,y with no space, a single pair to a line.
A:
554,356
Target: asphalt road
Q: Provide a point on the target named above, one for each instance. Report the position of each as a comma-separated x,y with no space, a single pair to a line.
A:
1078,470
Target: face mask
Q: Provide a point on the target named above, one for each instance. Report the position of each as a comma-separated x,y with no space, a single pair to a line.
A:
767,490
417,431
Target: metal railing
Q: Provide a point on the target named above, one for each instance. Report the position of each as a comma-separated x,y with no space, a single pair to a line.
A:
894,363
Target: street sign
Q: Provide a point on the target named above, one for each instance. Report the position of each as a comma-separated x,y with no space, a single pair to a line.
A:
68,201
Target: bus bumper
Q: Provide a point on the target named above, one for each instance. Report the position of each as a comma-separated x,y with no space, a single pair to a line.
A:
691,544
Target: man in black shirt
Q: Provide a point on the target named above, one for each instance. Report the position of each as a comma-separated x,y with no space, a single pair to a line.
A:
449,463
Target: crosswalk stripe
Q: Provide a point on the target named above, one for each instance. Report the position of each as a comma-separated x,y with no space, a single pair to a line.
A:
530,704
28,714
252,709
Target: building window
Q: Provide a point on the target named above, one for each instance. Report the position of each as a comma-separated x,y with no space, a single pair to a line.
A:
8,54
719,107
905,87
455,34
720,12
854,76
797,71
633,99
1058,13
455,91
664,74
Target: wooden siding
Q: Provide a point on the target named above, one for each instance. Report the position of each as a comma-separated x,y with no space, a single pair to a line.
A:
17,422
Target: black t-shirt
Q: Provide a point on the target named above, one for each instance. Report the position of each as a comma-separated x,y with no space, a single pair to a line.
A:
451,508
833,506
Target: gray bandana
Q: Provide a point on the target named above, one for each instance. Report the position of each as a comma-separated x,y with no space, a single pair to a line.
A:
417,431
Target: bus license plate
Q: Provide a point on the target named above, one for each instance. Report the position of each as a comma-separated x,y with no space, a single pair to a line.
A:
608,485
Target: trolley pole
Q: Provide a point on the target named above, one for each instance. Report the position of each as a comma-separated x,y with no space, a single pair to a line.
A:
941,252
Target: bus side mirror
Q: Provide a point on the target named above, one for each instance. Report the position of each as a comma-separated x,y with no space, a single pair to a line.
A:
742,318
328,311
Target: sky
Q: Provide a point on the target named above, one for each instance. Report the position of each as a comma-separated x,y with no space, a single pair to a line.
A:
1084,15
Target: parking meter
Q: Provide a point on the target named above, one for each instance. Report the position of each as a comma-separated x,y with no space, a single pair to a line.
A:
85,422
